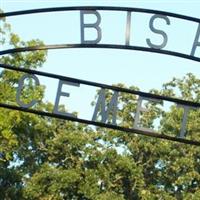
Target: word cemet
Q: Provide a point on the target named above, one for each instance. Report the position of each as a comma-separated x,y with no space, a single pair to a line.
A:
103,110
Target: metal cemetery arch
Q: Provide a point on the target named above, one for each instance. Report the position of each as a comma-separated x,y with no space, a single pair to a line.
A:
103,86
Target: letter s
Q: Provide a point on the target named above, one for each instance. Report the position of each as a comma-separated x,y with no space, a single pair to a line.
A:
158,31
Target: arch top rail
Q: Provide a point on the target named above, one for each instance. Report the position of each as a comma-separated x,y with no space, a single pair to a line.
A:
105,8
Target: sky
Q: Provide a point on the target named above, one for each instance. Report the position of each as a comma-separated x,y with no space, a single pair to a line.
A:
142,69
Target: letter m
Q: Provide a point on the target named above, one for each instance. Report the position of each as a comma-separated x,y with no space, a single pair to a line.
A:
105,112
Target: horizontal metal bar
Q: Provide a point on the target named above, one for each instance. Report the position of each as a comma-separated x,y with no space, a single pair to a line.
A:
109,46
128,130
115,88
106,8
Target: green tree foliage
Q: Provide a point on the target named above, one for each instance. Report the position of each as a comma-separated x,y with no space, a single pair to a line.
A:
49,159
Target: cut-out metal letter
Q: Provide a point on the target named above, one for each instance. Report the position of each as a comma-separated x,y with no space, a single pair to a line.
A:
184,119
102,110
91,25
158,31
142,109
196,41
20,88
128,28
64,94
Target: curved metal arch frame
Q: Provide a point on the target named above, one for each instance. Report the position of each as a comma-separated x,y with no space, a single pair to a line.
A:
111,46
65,46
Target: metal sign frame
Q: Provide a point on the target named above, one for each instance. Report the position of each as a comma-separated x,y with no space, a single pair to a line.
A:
102,86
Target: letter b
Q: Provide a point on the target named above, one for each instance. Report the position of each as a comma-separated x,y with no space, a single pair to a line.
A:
91,25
